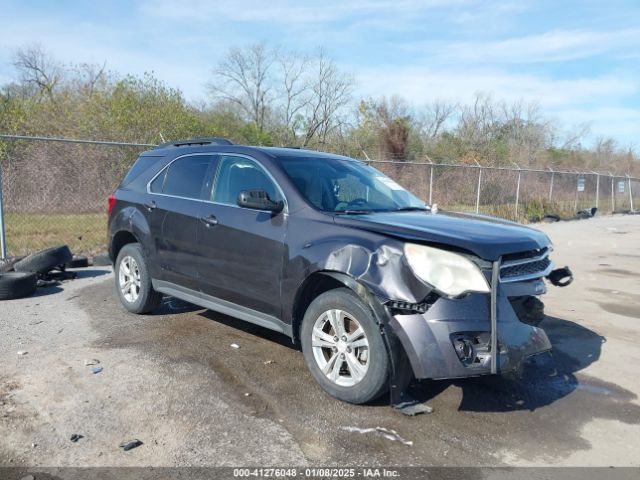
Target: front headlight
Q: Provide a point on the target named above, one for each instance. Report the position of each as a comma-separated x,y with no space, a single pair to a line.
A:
449,272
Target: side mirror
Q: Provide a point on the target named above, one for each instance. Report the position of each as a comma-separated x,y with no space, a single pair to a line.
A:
259,200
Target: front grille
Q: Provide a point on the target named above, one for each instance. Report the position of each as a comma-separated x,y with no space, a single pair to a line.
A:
524,270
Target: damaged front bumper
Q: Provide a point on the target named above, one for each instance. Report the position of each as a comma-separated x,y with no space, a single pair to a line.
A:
456,338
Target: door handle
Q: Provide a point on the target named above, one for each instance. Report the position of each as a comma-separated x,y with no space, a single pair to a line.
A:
209,221
150,205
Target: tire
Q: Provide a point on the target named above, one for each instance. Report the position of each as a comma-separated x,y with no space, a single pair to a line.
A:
17,285
44,261
78,261
7,264
346,387
139,297
101,260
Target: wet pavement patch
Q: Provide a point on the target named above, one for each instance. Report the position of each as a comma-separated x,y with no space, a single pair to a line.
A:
541,412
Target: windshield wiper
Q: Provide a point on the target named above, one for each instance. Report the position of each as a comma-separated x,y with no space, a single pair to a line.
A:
411,209
353,212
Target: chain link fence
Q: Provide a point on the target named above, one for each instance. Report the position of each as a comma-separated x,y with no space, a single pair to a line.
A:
54,191
520,194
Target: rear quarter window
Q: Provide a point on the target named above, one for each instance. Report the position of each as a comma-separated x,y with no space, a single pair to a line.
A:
144,163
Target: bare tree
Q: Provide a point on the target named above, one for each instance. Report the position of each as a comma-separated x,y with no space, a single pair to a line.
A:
330,91
434,116
93,75
244,78
294,85
38,69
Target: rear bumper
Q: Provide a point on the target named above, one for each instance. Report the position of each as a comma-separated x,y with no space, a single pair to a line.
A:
430,339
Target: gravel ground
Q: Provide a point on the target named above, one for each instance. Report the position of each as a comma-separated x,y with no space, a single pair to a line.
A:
173,381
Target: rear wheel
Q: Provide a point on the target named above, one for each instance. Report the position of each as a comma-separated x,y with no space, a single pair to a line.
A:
343,348
133,281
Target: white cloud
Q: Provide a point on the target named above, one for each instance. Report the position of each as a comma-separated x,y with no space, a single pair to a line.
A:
286,11
553,46
620,123
422,84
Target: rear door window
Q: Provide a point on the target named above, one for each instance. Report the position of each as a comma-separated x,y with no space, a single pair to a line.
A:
186,177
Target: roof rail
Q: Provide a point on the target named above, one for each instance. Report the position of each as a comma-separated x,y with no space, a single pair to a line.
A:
197,141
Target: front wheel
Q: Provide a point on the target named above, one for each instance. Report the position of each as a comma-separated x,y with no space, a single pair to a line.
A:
133,281
343,347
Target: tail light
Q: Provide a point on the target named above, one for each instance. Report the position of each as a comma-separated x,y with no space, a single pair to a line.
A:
112,202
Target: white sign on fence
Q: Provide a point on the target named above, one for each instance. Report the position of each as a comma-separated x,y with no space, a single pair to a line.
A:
621,186
581,184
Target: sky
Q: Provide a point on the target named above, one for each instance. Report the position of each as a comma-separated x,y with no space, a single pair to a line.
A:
580,60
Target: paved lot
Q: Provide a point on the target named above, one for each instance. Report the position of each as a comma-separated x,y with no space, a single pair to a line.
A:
173,381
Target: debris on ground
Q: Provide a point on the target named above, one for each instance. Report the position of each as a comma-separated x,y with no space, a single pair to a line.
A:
101,260
20,276
412,408
22,352
44,261
95,370
28,477
6,264
235,345
268,362
551,218
247,394
587,212
78,261
75,437
381,431
130,444
42,283
93,361
17,285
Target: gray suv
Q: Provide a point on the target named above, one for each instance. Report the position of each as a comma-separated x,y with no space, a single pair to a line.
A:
374,286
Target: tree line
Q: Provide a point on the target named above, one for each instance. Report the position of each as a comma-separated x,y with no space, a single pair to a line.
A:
263,95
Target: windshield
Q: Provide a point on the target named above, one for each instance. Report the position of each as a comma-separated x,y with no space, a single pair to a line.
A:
347,186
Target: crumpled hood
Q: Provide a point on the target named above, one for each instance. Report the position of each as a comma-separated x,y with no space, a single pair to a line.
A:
486,237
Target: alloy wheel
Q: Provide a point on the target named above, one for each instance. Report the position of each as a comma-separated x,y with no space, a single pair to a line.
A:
340,347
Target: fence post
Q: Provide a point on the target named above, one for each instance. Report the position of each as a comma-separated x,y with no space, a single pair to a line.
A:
575,184
613,195
597,188
3,242
630,195
431,184
553,174
478,193
518,192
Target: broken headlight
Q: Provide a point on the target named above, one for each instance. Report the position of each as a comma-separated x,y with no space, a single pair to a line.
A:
450,273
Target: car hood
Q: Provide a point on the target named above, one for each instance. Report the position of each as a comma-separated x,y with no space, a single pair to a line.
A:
486,237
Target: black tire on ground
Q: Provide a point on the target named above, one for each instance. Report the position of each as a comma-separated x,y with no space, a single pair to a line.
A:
44,261
148,299
7,264
17,285
376,380
78,261
101,260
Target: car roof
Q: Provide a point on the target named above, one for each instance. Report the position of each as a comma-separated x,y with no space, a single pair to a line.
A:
273,152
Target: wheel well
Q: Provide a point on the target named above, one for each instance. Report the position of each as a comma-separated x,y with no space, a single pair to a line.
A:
121,239
314,286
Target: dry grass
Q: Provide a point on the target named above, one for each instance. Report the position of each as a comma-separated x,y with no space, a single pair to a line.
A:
27,232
